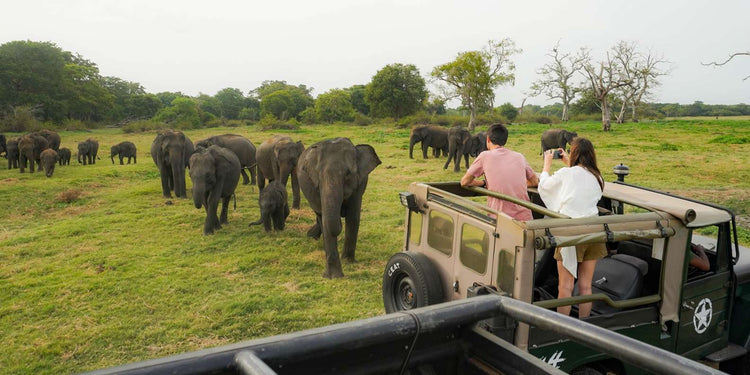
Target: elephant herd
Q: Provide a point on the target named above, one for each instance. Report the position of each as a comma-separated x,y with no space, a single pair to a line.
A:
457,142
41,150
332,174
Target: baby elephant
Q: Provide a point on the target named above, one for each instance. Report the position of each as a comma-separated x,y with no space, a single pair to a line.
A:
48,160
273,206
124,150
64,155
556,138
215,172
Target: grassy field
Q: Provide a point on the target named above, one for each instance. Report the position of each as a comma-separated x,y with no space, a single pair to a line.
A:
120,274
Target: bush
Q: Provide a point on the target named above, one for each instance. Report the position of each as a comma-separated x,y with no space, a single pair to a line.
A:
309,116
543,120
362,120
270,121
143,126
20,120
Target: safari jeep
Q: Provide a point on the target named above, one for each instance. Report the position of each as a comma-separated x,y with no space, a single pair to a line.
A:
457,247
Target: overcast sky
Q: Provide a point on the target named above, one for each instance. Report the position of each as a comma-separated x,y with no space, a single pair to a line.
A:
204,46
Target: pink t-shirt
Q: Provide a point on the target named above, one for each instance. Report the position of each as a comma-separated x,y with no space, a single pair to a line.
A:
506,172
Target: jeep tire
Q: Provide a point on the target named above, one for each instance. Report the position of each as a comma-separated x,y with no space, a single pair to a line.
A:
410,281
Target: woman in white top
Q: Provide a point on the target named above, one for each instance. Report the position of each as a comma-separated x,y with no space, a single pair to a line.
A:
574,191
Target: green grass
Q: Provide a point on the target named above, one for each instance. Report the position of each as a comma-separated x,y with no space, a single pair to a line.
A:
119,275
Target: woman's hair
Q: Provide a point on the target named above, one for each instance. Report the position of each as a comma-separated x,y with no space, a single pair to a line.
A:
582,153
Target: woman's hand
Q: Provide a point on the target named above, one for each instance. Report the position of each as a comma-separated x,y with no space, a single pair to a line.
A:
564,156
548,155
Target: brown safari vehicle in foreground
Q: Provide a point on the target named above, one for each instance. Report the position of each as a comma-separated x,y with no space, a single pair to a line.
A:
457,247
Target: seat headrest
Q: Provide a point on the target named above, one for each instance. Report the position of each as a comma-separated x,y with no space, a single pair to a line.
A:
638,263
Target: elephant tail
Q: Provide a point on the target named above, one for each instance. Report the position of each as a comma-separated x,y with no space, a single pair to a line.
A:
234,195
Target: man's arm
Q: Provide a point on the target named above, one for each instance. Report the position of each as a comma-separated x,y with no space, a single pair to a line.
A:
469,180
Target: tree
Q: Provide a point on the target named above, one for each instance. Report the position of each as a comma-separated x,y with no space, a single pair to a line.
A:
642,71
435,106
732,56
397,90
32,74
556,78
508,111
278,103
357,93
474,75
604,77
231,101
299,97
85,95
334,105
182,114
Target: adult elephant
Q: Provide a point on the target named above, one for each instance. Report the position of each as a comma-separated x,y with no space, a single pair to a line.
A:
241,146
30,149
123,150
477,143
430,136
333,176
277,160
87,151
171,152
52,138
556,138
12,152
215,172
458,137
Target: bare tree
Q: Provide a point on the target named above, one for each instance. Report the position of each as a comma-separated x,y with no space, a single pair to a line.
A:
556,78
642,71
605,77
732,56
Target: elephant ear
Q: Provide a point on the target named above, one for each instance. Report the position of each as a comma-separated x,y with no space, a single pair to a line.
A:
367,160
307,162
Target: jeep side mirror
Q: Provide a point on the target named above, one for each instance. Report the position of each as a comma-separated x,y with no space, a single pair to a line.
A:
409,201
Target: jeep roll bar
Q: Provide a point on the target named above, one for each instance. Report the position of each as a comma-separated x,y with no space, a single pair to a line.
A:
406,340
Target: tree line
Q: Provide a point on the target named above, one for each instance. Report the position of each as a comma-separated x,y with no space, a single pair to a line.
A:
41,82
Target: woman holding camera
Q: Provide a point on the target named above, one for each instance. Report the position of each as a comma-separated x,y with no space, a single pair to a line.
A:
574,191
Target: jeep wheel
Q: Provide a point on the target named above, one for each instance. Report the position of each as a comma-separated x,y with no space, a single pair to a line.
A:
410,281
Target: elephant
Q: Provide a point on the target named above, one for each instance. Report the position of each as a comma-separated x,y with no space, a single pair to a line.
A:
49,159
556,138
52,138
430,136
241,146
30,149
274,206
277,160
3,144
171,152
123,150
215,172
64,154
477,143
87,151
12,152
458,137
333,177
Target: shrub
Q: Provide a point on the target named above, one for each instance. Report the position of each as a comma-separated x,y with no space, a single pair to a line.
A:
362,120
143,126
20,120
270,121
543,120
69,196
730,139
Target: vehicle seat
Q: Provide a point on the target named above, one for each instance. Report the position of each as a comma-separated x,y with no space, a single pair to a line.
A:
619,276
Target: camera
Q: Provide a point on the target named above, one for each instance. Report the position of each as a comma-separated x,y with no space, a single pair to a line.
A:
557,154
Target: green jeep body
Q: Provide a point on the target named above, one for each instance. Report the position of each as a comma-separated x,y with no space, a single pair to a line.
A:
455,244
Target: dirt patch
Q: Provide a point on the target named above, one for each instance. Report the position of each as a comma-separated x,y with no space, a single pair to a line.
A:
9,181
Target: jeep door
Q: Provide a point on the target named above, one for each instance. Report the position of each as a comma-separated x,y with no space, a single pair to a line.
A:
475,240
705,304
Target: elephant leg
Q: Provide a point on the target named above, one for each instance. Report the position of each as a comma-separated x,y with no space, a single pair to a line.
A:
353,212
466,160
22,164
135,159
252,175
224,208
448,162
261,180
295,190
245,178
315,230
424,149
278,219
166,181
121,163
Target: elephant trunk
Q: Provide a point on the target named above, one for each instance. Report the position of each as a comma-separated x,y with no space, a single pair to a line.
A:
284,172
412,141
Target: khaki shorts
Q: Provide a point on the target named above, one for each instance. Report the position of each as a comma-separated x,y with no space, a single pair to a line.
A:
592,251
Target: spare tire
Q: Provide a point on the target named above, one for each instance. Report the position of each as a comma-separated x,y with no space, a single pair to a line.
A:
410,281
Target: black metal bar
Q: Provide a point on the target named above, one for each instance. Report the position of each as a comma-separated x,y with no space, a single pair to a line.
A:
627,349
249,364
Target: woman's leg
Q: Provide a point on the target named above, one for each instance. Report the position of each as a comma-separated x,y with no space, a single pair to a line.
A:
565,286
585,276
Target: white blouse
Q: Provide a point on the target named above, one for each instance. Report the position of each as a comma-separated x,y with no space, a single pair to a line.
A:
573,191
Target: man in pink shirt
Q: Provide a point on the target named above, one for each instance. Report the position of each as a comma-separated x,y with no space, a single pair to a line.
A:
504,171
